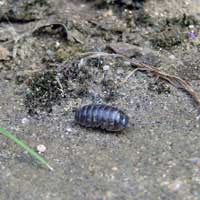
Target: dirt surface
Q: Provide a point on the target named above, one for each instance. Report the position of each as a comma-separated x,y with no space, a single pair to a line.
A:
47,70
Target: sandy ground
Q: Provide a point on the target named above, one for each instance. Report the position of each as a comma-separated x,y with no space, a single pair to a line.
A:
44,79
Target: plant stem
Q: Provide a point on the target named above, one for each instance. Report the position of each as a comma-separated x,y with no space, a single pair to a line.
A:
25,147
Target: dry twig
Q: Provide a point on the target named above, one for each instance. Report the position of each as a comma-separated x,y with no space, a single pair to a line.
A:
173,80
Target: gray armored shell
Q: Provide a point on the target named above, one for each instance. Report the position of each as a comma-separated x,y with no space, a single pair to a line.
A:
101,116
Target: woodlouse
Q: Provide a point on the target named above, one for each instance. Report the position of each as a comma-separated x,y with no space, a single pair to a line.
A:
101,116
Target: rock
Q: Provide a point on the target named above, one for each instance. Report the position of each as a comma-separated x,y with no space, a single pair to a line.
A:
106,67
41,148
4,54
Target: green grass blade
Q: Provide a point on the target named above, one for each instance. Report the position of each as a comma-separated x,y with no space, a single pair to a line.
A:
25,147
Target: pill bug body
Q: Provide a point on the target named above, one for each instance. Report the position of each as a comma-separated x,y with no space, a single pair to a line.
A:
101,116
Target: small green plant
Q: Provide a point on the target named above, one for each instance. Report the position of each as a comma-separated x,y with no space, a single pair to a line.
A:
24,146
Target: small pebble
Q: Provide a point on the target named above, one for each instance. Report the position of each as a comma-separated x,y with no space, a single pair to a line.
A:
106,67
127,63
172,57
25,120
4,53
108,13
57,44
114,168
175,185
120,71
198,115
191,26
50,52
82,5
69,130
41,148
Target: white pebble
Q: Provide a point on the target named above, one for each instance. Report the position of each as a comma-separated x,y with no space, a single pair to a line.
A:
106,67
69,130
172,57
191,26
49,52
25,120
175,185
41,148
120,71
57,44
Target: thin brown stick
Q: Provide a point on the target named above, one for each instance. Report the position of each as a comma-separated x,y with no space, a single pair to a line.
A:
128,76
173,80
97,54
